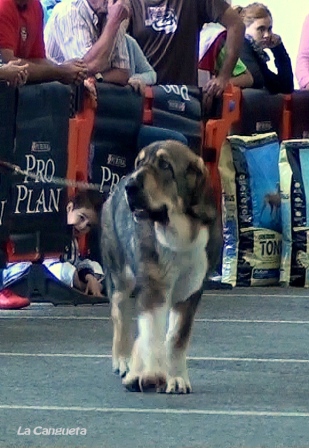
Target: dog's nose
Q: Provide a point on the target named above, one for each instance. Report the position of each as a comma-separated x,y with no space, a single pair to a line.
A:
134,185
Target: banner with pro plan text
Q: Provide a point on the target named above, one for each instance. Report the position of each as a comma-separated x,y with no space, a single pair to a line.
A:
113,147
35,209
251,208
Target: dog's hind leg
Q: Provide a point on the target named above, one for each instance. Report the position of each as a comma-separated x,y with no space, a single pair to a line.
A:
122,314
177,340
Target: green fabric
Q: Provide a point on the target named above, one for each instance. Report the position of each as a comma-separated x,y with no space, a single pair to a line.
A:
239,68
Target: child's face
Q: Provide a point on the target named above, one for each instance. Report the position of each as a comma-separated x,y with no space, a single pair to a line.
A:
81,218
261,30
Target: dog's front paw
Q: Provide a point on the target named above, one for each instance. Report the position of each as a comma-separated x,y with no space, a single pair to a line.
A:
178,385
121,366
145,382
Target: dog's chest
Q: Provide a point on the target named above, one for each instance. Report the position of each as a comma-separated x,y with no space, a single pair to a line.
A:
184,266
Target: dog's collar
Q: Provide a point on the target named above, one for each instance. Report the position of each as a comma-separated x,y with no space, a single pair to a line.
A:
160,216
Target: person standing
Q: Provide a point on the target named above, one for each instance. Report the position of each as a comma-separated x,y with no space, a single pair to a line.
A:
168,33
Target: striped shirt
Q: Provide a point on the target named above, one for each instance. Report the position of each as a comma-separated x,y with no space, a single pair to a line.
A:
71,31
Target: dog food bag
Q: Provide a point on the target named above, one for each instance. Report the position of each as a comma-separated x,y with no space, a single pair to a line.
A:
294,184
251,210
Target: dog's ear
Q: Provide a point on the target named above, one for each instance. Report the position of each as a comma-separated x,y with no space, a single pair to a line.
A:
201,201
202,205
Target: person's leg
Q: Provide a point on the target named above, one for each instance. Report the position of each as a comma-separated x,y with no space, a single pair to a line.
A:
150,134
8,299
63,271
66,272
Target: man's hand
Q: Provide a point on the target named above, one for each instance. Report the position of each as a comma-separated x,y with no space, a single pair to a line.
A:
119,11
137,84
74,71
215,86
93,286
14,73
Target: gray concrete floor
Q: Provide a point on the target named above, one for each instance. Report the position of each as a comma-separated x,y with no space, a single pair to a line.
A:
249,367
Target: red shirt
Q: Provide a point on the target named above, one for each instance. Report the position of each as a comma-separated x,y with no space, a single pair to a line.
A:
22,30
208,60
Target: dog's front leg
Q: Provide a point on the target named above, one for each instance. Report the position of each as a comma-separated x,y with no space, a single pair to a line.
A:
122,313
177,340
148,361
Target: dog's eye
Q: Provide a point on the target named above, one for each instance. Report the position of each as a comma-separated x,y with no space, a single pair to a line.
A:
138,162
164,165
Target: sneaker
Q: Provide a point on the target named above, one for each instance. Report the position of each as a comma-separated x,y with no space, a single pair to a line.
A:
215,277
11,301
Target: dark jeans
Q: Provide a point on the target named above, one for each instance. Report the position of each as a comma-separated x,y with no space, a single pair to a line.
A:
150,134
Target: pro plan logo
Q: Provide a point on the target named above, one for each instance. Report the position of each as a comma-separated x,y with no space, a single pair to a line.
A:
263,126
116,160
162,18
40,147
23,33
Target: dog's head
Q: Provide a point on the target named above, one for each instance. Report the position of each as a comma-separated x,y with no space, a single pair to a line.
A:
170,178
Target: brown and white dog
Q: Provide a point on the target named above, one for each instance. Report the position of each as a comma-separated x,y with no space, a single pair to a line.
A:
160,234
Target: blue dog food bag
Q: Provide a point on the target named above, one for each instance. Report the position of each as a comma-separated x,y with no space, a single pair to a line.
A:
251,210
294,183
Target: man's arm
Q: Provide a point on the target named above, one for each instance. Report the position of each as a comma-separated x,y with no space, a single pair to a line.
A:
43,70
234,41
39,68
114,75
98,56
71,34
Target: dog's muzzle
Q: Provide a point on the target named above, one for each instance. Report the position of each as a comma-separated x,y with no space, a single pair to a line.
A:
135,196
138,202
